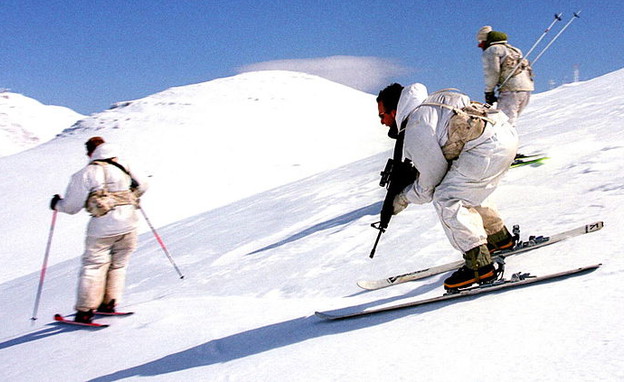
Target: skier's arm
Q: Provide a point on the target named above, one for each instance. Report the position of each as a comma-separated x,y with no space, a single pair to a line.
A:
140,179
76,194
422,148
491,67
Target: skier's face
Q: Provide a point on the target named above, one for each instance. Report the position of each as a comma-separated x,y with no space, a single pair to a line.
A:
386,118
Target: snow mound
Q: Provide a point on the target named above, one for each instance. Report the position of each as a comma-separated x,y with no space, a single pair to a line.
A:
26,123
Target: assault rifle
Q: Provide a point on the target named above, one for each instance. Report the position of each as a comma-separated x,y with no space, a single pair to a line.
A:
395,177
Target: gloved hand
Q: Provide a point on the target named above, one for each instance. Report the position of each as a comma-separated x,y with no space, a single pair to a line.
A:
490,98
399,203
54,200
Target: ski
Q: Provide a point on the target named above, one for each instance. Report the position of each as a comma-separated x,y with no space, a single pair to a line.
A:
113,314
62,320
527,156
517,280
529,160
534,242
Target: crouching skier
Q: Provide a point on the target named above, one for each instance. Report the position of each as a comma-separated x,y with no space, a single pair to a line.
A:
109,192
460,150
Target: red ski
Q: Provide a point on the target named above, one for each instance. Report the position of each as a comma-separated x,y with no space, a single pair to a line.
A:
60,319
113,313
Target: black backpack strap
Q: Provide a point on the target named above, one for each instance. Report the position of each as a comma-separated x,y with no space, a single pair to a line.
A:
397,154
133,182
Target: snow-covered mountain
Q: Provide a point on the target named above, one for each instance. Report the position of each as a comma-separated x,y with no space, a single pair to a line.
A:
222,140
202,146
257,264
26,123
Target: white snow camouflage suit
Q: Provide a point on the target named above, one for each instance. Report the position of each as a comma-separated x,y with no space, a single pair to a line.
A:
111,238
514,95
460,190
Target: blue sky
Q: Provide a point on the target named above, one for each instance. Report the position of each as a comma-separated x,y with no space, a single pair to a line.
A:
87,55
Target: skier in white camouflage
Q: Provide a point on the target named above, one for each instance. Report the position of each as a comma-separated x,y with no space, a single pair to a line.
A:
109,191
499,59
457,173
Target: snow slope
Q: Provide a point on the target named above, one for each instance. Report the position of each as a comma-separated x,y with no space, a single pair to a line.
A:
257,266
26,123
202,146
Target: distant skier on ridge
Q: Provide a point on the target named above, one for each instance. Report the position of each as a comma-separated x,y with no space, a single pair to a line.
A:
456,172
499,58
109,191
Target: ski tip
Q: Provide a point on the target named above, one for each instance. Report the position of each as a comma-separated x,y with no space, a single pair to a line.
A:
596,226
337,316
324,316
365,285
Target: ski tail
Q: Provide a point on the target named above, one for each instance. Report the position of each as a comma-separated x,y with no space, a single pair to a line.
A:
58,318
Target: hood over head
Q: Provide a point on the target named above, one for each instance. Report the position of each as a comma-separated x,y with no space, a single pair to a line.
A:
105,151
483,32
411,97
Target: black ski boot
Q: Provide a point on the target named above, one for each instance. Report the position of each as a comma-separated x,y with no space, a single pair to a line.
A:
107,308
84,317
501,241
465,277
478,269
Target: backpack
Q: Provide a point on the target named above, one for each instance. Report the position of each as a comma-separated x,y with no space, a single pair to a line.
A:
513,60
466,124
100,202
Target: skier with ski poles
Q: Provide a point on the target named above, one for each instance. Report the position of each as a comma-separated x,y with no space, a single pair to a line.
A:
505,67
109,191
459,153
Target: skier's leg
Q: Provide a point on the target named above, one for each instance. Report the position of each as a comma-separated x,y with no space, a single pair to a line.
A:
95,263
462,195
512,104
492,222
123,247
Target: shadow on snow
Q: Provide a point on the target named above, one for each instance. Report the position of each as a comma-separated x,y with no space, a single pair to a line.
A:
266,338
347,218
51,330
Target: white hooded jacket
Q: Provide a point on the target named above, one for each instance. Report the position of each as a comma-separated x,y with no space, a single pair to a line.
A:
120,220
458,187
426,132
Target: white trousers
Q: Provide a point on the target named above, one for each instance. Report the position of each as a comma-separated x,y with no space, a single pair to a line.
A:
103,272
512,104
462,200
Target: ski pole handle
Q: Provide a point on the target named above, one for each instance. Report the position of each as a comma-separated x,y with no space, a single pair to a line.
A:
574,17
557,18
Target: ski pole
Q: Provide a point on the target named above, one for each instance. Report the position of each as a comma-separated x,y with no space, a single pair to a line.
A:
44,267
576,16
162,244
557,18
